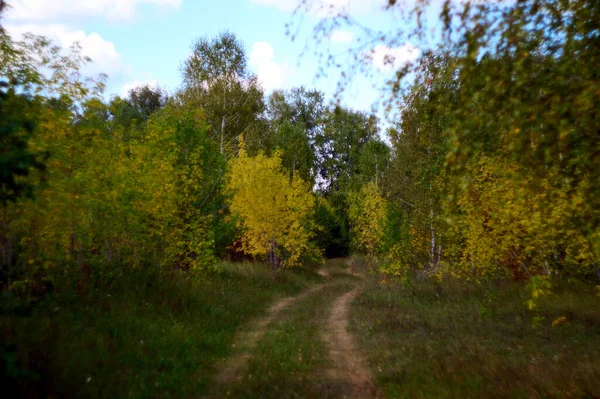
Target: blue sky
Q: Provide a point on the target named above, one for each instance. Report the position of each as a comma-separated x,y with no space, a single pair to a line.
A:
140,41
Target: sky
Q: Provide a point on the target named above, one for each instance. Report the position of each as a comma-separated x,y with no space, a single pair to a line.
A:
145,41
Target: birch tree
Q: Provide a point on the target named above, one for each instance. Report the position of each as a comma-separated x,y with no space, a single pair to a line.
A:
216,78
274,211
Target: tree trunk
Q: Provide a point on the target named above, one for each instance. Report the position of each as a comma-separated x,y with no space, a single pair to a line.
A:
432,239
223,119
6,239
223,135
273,259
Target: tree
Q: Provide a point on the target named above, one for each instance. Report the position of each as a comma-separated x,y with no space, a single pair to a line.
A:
332,234
296,118
143,101
17,125
373,161
52,101
518,93
415,182
17,121
274,211
178,136
216,78
339,146
368,217
129,115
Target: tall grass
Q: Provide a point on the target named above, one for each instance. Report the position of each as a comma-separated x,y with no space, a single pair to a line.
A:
140,334
436,340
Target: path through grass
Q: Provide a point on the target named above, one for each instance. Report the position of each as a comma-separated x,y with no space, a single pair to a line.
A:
293,357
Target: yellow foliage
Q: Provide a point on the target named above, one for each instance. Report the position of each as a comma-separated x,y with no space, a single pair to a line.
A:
393,263
559,321
113,200
512,230
368,215
273,209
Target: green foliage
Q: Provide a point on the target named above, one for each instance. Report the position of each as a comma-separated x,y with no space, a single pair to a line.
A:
494,173
53,101
493,167
368,218
17,124
339,148
119,190
217,79
492,176
332,235
129,115
538,287
296,119
416,178
178,136
16,159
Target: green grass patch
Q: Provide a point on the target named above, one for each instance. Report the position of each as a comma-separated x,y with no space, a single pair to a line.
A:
291,361
139,336
430,340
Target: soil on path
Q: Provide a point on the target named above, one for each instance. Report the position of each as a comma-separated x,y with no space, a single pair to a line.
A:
350,375
233,368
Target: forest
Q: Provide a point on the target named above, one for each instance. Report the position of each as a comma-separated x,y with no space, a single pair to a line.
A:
145,238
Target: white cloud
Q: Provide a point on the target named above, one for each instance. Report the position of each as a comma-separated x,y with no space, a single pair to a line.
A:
392,58
51,10
341,36
283,5
271,74
105,58
124,92
325,8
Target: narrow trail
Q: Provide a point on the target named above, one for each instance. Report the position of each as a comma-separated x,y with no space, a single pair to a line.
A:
350,374
233,368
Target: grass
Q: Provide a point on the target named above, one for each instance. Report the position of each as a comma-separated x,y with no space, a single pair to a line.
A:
165,335
429,340
292,359
144,337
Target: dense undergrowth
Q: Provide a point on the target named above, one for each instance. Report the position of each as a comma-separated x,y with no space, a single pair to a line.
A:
151,335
